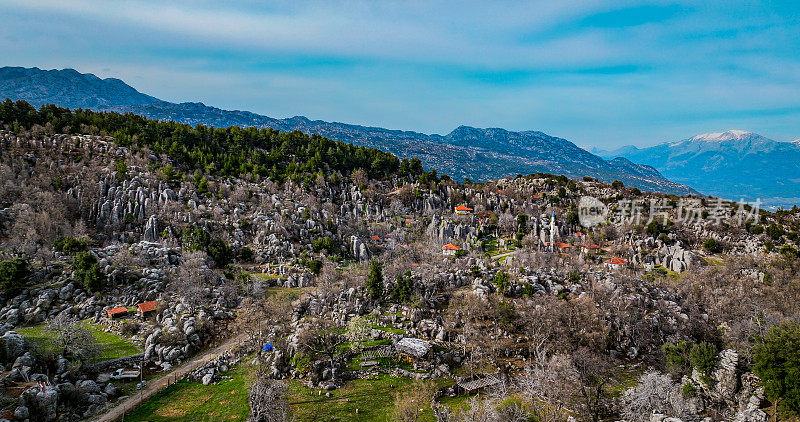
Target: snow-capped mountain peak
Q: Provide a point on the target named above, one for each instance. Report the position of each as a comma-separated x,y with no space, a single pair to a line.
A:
730,135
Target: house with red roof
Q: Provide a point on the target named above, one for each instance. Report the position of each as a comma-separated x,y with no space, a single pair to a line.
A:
450,249
615,263
146,308
116,312
590,248
463,210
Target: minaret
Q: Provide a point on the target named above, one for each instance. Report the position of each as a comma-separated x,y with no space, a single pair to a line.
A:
552,230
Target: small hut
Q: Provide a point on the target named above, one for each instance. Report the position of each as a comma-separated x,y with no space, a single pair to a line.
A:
147,308
411,349
117,312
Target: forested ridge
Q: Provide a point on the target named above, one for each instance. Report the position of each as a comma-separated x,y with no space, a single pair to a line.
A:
231,151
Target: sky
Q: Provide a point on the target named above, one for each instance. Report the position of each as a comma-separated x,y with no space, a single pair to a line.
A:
599,73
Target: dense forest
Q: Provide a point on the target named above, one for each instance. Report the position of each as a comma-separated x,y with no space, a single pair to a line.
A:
231,151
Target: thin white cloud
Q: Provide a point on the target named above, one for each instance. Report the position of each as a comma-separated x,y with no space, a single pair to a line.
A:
432,65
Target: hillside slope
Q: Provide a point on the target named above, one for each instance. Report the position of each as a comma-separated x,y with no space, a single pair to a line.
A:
466,152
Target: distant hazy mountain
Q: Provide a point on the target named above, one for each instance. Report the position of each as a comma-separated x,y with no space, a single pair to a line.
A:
67,88
734,164
466,152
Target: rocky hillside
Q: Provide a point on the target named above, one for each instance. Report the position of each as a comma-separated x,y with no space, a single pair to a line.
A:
466,152
328,268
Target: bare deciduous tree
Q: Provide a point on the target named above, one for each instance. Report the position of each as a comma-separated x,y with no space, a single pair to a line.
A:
551,381
655,392
268,401
71,340
193,277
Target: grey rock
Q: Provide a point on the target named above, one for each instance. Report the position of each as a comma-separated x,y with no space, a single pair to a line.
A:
21,413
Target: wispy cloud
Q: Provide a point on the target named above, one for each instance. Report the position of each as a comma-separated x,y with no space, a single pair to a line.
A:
592,71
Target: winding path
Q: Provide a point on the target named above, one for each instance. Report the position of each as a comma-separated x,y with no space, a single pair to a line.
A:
118,412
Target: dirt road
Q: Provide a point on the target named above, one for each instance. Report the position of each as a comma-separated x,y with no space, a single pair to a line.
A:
130,404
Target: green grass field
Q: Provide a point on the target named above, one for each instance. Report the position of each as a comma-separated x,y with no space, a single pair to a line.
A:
358,400
112,346
193,401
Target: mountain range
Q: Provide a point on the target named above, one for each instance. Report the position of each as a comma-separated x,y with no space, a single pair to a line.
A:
466,152
733,164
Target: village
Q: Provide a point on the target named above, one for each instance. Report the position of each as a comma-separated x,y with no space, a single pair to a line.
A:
466,295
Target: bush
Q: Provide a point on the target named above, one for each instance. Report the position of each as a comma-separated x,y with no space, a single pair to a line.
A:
70,245
246,254
375,280
129,328
87,272
195,239
712,246
501,281
617,184
14,274
777,362
775,231
315,265
220,252
404,288
703,357
324,244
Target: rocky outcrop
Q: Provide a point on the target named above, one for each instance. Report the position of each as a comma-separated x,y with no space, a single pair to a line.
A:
151,233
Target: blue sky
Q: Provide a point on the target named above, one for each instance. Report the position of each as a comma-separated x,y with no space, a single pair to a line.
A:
599,73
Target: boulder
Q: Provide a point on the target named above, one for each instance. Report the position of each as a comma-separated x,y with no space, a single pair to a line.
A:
47,402
15,344
88,387
21,413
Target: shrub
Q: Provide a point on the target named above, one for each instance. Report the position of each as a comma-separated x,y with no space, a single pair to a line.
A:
14,274
404,288
172,338
712,246
775,231
375,280
87,272
324,244
220,252
129,328
703,357
246,254
70,245
501,281
617,184
315,265
195,239
677,355
121,168
777,363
